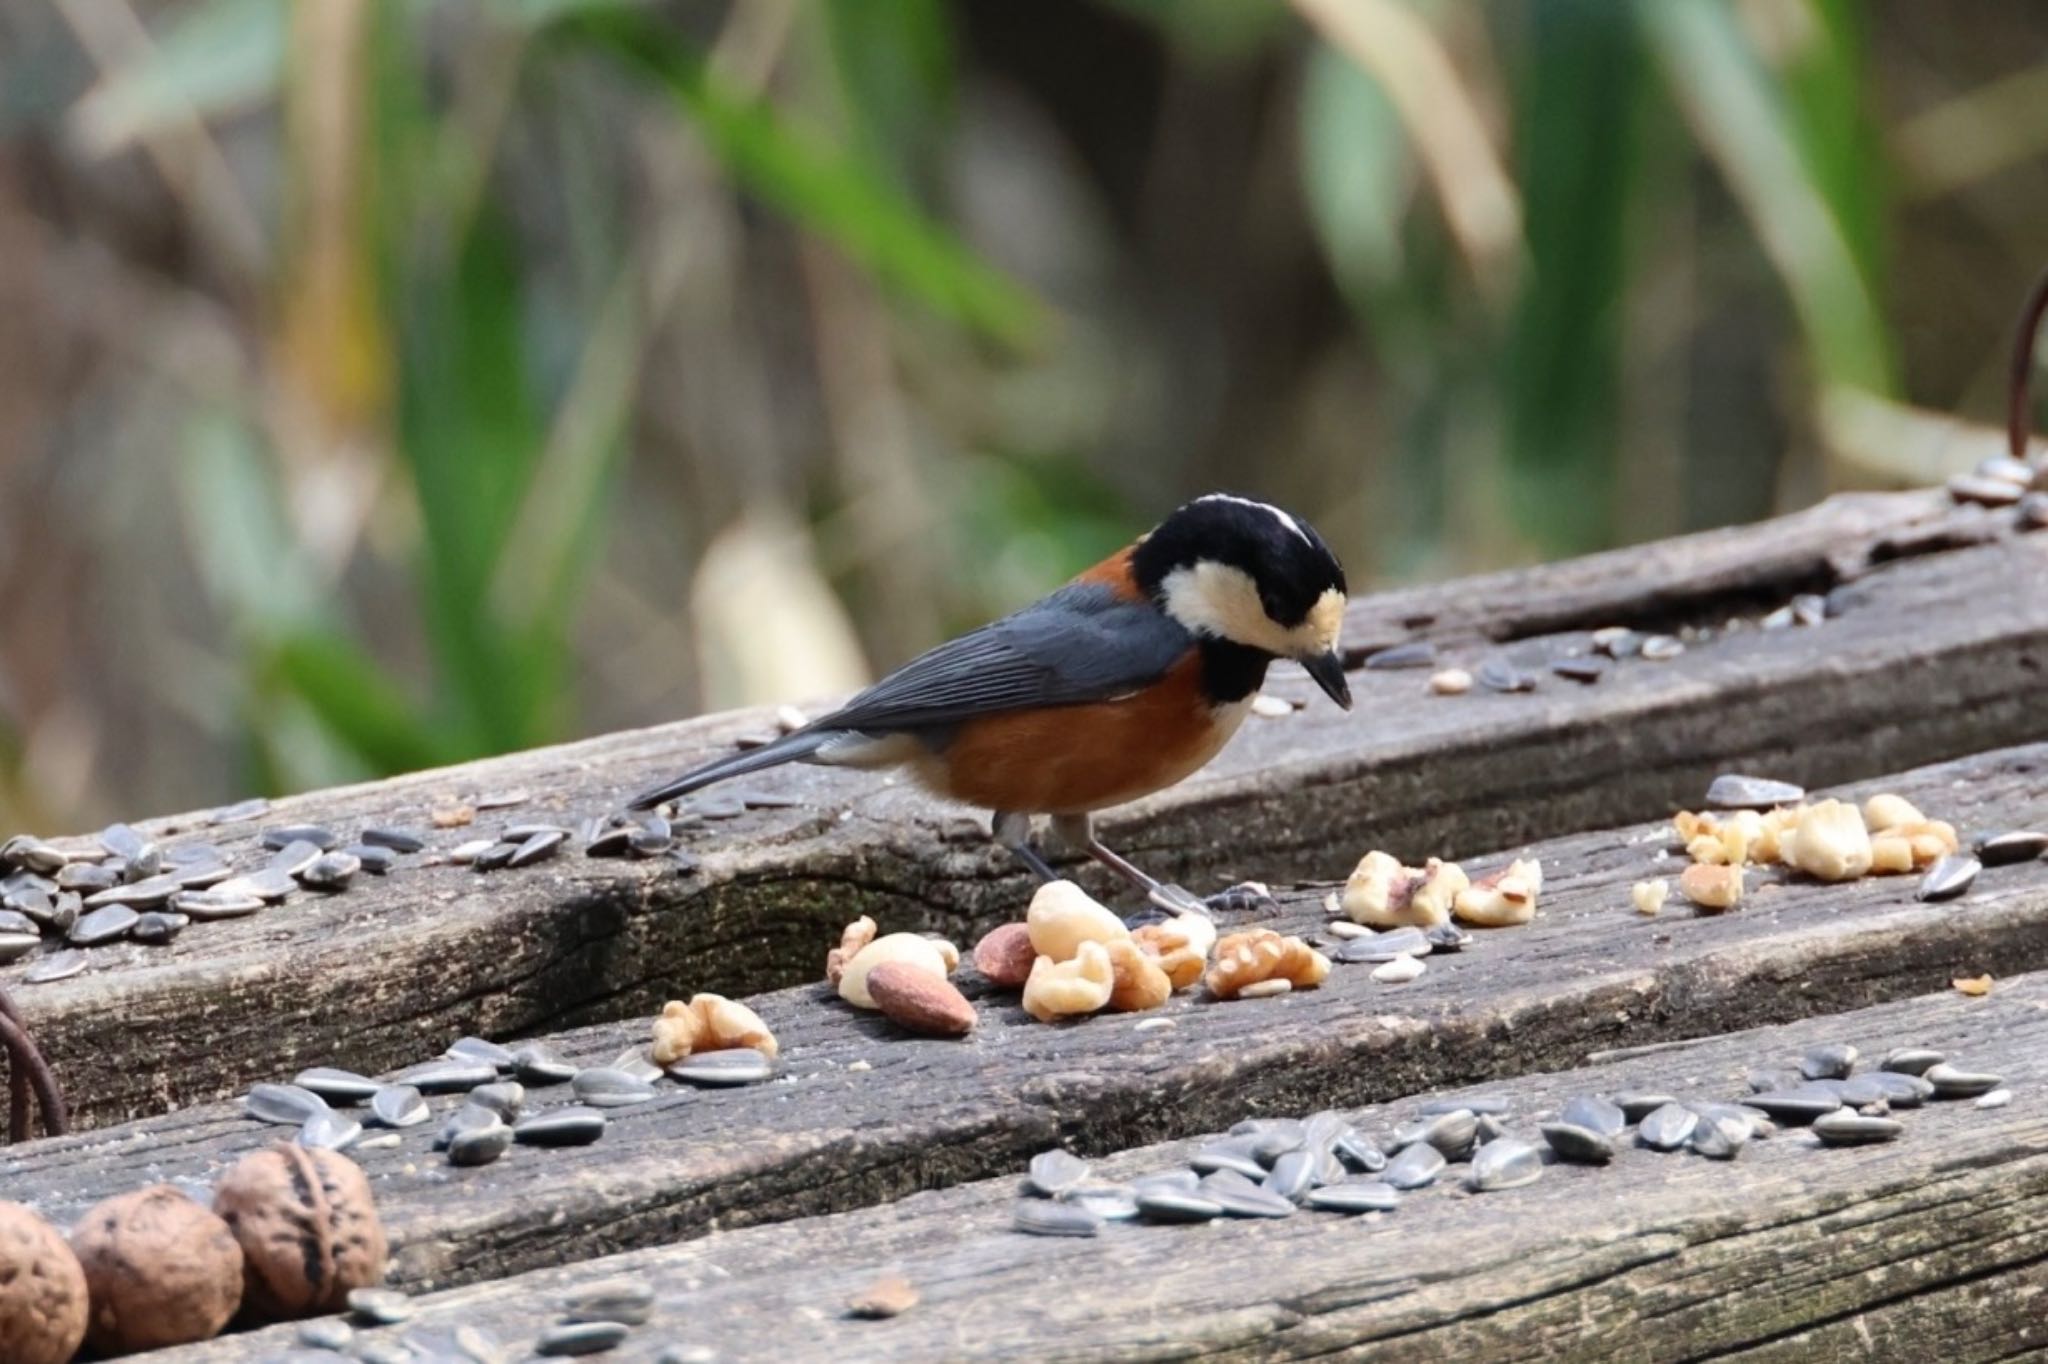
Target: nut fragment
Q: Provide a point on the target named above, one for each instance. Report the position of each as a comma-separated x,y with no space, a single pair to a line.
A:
1062,989
1650,895
852,939
307,1226
42,1291
1887,811
1974,986
918,1001
1378,891
160,1270
948,953
906,947
1005,954
1829,842
1505,898
1181,945
1062,917
724,1024
1711,887
889,1296
1890,854
1432,901
1244,959
675,1033
1450,682
1139,983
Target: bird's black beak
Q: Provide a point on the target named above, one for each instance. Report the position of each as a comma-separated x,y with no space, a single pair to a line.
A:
1328,671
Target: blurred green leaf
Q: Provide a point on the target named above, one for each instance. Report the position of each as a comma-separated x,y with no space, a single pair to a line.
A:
1212,30
894,62
1574,144
1748,128
214,58
356,703
1356,172
827,191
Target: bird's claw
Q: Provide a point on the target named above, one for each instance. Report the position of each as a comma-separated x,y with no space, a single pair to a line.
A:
1175,900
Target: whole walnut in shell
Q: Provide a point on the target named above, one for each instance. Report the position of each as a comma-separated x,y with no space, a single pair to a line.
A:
308,1228
42,1291
160,1270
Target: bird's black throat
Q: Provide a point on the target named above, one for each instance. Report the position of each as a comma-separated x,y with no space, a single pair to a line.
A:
1230,672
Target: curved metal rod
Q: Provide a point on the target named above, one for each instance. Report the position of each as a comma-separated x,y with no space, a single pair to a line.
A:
2018,409
26,1060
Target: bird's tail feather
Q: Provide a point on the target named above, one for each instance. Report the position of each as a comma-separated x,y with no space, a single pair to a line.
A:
789,749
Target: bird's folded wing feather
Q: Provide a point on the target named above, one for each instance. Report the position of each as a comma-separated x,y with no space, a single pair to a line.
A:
1083,643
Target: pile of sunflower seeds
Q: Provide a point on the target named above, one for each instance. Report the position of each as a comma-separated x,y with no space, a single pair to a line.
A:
2001,481
489,1083
590,1320
1275,1167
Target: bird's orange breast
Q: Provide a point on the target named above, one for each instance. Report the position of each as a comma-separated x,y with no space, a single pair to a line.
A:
1074,759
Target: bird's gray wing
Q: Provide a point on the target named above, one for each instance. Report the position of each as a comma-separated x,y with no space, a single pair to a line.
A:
1083,643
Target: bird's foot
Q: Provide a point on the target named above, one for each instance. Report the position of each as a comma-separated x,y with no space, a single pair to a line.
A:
1246,897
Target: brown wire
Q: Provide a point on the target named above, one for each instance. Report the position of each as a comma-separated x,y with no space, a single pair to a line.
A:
28,1070
2018,412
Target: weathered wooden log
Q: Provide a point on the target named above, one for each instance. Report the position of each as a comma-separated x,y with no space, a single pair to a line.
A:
866,1115
1935,1245
1934,654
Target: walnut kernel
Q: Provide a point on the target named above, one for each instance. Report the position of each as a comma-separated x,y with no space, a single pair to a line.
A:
1061,989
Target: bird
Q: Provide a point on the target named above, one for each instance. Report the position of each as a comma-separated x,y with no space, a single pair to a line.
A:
1122,682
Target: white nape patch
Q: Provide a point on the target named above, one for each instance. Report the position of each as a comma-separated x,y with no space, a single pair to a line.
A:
1282,517
1221,601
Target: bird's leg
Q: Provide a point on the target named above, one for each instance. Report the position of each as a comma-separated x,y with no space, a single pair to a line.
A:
1079,831
1013,831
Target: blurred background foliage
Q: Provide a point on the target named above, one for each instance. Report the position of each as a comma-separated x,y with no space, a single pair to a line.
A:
384,384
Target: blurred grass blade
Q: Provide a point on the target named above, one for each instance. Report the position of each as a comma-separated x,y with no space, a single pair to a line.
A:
1356,173
825,190
356,704
1480,205
218,57
1577,86
895,69
1728,100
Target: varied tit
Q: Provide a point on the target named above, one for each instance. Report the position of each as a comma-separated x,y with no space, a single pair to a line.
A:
1119,684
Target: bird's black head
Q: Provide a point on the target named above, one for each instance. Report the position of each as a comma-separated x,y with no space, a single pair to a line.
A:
1230,568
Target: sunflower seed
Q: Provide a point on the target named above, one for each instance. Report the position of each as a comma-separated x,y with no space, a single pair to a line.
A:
1418,653
1637,1105
478,1049
2002,849
271,884
537,847
465,854
1497,674
573,1125
16,944
505,1098
329,1131
1041,1217
1949,877
1735,791
1844,1128
1446,937
496,856
1595,1114
294,858
137,894
158,929
281,836
1160,1203
501,800
330,871
608,1087
1505,1164
1952,1083
1660,648
580,1338
479,1146
1720,1137
371,858
56,966
1238,1196
2006,468
1668,1128
630,1302
1399,971
1355,1196
207,905
200,875
1292,1176
447,1075
536,1063
337,1086
32,854
88,878
326,1333
611,843
103,925
1054,1172
1585,671
285,1105
1360,1153
468,1117
1798,1105
1382,947
1414,1167
32,902
1582,1145
1911,1060
2033,511
1985,492
723,1069
1616,641
1997,1098
396,839
1234,1154
1453,1133
1832,1061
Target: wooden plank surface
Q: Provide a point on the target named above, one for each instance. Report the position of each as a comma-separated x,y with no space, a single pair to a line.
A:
1934,656
866,1115
1933,1246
